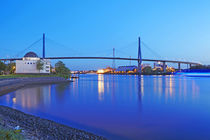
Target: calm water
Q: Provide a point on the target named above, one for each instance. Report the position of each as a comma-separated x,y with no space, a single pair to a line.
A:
123,107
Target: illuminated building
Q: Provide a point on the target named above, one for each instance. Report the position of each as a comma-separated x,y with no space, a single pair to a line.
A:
126,69
107,70
29,64
101,71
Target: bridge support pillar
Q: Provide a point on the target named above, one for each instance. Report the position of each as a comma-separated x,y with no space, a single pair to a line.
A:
164,67
139,56
43,46
179,66
190,66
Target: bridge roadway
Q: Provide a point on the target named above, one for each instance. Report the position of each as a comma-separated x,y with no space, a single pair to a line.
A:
116,58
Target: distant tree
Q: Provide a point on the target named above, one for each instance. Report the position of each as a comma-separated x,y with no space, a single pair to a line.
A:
2,67
40,65
147,70
61,69
10,68
52,69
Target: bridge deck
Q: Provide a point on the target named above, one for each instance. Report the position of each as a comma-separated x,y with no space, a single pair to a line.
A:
116,58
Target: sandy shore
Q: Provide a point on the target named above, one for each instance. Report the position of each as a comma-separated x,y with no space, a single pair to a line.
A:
34,127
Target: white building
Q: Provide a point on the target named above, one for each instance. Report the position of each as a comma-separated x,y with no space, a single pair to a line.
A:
29,64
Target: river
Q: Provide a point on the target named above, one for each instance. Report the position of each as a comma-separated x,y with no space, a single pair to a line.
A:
123,106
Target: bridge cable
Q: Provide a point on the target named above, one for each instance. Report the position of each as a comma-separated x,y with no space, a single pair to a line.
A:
60,45
152,51
131,44
29,47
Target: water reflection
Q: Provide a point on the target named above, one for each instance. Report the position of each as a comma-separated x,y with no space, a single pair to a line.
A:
61,90
170,88
31,97
131,107
112,88
100,87
140,88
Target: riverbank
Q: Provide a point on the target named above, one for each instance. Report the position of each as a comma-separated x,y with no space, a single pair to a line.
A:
36,128
10,84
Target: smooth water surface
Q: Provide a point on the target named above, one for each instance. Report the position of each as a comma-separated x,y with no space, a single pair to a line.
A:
123,106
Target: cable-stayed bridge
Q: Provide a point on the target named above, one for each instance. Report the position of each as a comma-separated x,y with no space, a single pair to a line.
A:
139,59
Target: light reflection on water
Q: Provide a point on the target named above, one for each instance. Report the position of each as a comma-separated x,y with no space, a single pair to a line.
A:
123,107
101,86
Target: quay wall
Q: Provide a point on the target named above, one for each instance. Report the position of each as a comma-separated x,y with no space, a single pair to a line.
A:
11,84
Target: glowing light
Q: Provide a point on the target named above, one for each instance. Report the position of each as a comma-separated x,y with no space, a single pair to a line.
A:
101,71
14,100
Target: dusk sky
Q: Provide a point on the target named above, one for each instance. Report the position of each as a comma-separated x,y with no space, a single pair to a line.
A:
173,29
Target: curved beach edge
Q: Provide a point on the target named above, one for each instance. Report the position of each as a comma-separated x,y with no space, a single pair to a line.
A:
12,84
34,127
37,128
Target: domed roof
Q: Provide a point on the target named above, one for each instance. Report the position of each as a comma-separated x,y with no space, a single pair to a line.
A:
30,54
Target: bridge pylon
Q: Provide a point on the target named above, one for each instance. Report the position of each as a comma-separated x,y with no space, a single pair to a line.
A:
139,56
43,51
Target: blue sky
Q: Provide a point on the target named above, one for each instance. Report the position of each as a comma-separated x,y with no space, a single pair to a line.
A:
173,29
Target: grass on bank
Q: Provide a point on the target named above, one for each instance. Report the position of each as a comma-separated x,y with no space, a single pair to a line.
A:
10,134
31,76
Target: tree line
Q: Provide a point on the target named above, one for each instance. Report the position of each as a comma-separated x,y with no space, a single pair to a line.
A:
60,68
7,68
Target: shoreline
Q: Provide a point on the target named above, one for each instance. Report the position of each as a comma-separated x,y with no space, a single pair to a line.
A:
11,84
34,127
163,74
